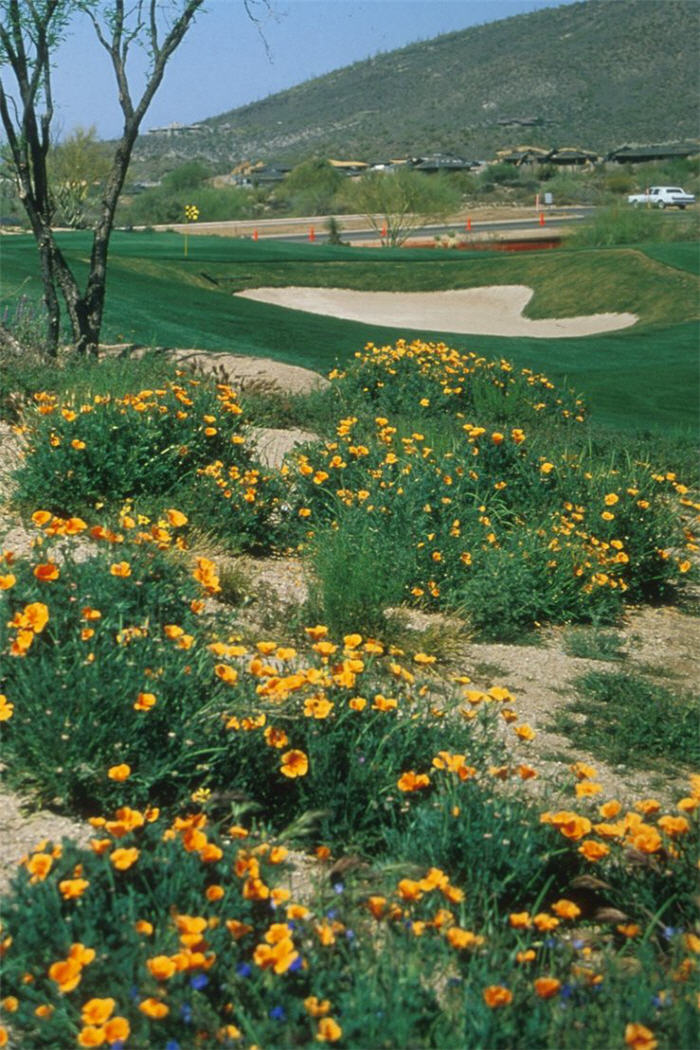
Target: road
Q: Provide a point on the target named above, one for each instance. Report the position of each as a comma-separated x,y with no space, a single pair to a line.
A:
354,229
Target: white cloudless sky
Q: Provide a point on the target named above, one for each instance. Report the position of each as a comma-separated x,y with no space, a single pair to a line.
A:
226,61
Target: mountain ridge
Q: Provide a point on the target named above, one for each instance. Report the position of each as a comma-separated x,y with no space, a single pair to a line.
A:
550,77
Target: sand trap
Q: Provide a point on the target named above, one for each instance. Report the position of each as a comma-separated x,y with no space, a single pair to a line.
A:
475,311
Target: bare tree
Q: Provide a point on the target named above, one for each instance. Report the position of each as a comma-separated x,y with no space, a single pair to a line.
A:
30,30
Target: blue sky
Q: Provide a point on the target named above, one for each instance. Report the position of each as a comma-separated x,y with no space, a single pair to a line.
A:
224,63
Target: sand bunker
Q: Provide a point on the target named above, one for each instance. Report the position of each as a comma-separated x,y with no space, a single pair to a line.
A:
474,311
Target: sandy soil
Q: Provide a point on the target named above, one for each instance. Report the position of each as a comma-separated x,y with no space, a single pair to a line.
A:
494,310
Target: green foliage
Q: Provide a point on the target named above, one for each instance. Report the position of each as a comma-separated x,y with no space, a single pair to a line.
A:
627,719
311,187
401,201
623,224
109,449
593,644
512,525
77,166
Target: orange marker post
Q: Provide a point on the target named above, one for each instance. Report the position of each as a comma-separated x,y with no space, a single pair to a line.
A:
541,218
255,235
468,227
312,234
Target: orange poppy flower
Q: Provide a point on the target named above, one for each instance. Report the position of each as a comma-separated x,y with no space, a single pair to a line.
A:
294,764
66,973
123,859
593,851
97,1011
639,1037
496,996
547,987
46,572
120,772
144,702
154,1008
71,889
117,1030
120,568
91,1035
412,781
566,909
329,1031
161,967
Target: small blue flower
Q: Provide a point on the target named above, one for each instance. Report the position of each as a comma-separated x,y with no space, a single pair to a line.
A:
550,942
172,1044
296,965
669,931
578,944
338,887
134,992
350,935
331,914
244,970
186,1012
199,981
277,1013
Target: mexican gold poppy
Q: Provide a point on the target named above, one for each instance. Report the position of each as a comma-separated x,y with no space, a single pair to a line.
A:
97,1011
329,1031
496,996
412,781
294,764
547,987
593,851
47,571
639,1037
154,1008
120,772
144,702
123,859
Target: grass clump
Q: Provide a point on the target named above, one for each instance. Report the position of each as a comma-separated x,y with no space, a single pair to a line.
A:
628,719
594,644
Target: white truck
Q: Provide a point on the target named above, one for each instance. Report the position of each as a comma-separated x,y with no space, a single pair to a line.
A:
663,197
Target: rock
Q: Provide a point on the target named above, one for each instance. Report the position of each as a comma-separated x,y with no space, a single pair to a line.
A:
271,446
259,375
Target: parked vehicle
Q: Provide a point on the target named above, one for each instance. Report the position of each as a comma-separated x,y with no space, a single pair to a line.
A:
663,197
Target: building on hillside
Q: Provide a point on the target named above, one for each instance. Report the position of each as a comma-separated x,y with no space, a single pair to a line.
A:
658,151
175,129
521,122
572,157
349,167
519,155
388,167
439,162
248,174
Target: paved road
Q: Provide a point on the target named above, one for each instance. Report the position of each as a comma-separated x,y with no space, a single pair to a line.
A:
355,230
497,227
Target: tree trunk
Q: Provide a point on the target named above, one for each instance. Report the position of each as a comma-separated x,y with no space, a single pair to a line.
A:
53,309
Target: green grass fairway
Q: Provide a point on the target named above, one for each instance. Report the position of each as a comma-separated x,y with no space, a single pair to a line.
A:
682,255
644,378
